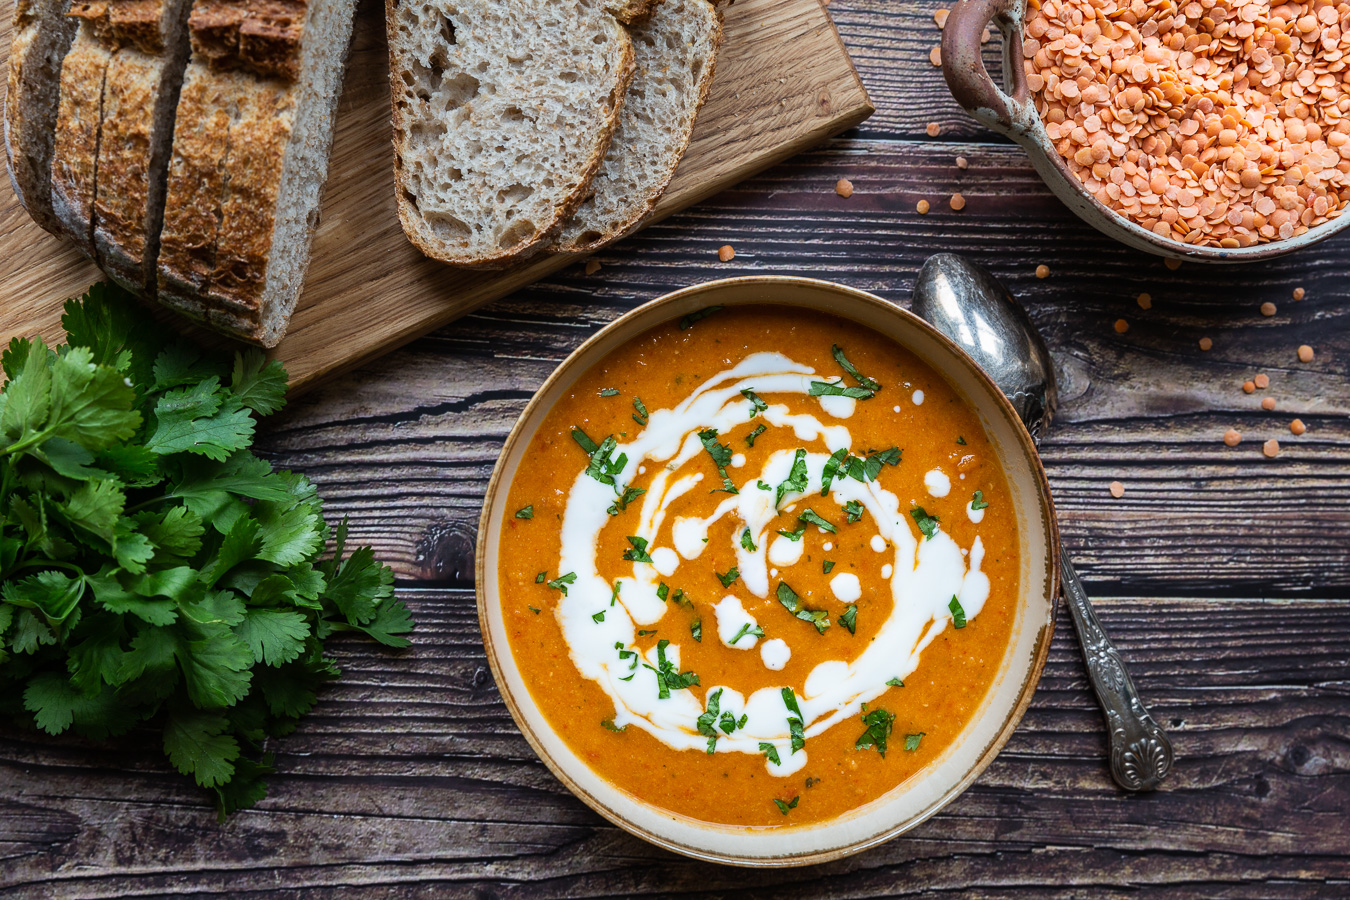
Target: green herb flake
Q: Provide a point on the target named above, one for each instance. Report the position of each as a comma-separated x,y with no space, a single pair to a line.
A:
525,512
637,551
747,628
912,740
696,629
629,494
795,729
793,536
601,467
977,501
609,725
598,617
838,389
796,480
541,578
958,614
562,581
895,682
854,510
757,405
756,432
927,524
646,631
832,469
689,320
961,440
849,619
852,370
827,567
708,719
730,578
770,752
810,517
784,808
534,609
721,457
793,604
748,540
667,679
662,591
641,415
609,392
878,724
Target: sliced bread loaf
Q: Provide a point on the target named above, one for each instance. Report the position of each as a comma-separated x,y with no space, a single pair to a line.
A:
241,210
79,114
42,36
140,94
676,54
502,111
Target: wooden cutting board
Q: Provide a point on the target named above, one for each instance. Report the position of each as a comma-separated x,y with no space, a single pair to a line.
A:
784,83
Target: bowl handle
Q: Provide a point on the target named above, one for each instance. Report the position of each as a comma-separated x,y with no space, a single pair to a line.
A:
968,79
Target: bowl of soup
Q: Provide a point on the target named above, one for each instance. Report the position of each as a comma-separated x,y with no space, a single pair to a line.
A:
766,571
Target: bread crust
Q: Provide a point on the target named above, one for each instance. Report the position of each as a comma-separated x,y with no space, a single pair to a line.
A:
631,11
262,36
410,219
75,153
641,212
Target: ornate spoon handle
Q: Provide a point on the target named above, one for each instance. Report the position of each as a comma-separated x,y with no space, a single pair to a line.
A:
1141,754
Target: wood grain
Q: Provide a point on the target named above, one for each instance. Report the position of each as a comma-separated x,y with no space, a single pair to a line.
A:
784,83
410,776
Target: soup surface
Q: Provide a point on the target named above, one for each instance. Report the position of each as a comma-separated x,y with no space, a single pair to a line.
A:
759,566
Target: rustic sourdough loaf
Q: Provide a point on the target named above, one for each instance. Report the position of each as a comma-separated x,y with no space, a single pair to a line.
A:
42,37
250,156
676,53
79,114
502,111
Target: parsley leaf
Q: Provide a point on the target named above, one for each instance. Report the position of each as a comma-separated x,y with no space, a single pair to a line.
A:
977,501
757,404
895,682
721,457
796,480
854,510
912,740
771,752
525,512
696,630
879,723
638,551
747,628
832,469
838,389
641,415
748,540
927,524
698,316
793,603
562,581
793,536
730,578
785,807
795,728
667,679
827,566
608,725
609,392
754,433
958,614
849,619
629,494
848,367
810,517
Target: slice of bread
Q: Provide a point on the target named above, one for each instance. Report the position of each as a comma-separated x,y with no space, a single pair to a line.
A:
630,11
242,208
79,115
676,55
140,94
502,111
42,37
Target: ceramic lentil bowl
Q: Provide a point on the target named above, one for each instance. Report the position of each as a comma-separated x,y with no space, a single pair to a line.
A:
1013,114
544,678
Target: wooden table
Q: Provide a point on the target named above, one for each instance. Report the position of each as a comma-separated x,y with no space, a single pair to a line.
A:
1223,575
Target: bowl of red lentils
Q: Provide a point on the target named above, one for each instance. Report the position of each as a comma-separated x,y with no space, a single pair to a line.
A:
1211,130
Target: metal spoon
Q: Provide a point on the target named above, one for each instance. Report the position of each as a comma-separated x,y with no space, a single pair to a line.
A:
973,308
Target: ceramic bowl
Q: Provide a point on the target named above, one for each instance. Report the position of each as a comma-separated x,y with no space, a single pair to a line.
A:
946,777
1014,115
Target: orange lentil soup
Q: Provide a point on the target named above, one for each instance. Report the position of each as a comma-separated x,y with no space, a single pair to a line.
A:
730,543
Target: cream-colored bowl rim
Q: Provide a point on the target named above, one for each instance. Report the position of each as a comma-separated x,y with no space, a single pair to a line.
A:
880,819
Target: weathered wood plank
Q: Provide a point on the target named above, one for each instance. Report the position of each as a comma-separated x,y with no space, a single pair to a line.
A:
405,445
410,775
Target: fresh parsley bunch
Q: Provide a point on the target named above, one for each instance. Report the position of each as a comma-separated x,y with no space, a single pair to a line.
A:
153,568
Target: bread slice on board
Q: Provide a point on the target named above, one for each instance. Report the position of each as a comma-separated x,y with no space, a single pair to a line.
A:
79,114
676,55
250,157
140,94
42,37
502,111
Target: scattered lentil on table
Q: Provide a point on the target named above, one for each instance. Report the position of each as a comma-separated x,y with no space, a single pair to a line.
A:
1262,381
961,162
922,206
1267,309
1042,271
933,129
1299,293
1271,448
1232,437
1206,343
1305,353
1117,489
957,202
1249,387
1268,403
726,253
844,188
1209,123
935,56
1122,326
1297,426
1145,300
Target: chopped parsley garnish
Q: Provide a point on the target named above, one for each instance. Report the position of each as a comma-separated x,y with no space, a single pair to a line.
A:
758,404
707,720
784,807
852,370
927,524
809,516
763,485
560,583
850,619
961,440
646,631
912,740
827,566
793,603
729,723
662,591
878,723
895,682
721,456
541,578
628,496
831,469
793,536
601,467
869,469
771,752
679,598
854,510
666,677
748,540
795,720
598,617
958,614
610,726
696,629
730,578
977,501
693,317
838,389
747,628
640,416
534,609
629,655
525,512
638,552
609,392
796,480
750,438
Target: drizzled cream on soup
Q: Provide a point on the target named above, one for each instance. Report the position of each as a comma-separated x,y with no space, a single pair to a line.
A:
762,566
